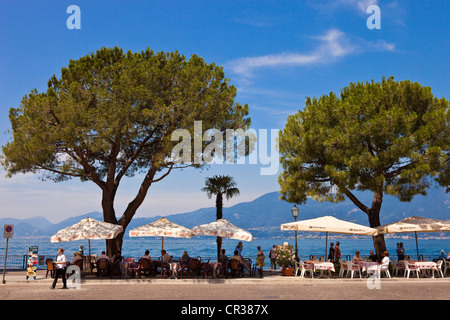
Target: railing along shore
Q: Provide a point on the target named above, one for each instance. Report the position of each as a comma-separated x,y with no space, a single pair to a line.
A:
19,262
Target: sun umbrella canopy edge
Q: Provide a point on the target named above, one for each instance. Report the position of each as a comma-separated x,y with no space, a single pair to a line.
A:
87,228
223,228
329,224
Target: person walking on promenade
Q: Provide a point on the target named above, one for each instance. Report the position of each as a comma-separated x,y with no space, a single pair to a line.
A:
331,254
337,252
260,261
401,252
273,258
61,263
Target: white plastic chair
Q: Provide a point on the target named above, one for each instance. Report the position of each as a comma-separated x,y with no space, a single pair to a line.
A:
306,268
352,268
398,266
410,268
439,268
446,266
385,268
296,267
343,268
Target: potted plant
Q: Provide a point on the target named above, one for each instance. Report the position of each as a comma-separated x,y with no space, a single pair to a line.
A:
285,258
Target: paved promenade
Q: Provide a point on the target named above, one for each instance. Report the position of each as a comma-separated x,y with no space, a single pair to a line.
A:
272,287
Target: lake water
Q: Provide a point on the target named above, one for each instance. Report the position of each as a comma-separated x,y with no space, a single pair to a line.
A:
206,246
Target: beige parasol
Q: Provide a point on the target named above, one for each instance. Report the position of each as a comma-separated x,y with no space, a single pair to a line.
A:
222,228
88,229
329,224
415,224
161,228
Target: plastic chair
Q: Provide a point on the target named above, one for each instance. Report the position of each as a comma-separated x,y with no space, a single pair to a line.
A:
50,268
343,268
385,268
399,266
439,268
103,266
193,267
247,266
297,268
410,268
184,267
306,267
205,268
353,267
236,268
144,267
446,266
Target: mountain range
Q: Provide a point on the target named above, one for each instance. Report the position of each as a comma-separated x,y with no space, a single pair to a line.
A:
264,215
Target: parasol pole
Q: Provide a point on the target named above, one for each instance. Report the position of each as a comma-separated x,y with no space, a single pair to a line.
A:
417,246
326,248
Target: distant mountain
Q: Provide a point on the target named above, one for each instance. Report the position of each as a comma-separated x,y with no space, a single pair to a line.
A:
263,216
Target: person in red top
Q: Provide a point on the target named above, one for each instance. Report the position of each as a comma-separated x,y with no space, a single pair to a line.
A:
337,252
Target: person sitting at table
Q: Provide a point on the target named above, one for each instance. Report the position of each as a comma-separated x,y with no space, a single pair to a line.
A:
357,258
147,255
185,257
224,259
385,260
165,256
76,257
104,256
116,261
237,257
373,257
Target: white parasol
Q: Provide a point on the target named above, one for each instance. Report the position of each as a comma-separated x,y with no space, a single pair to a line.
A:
329,224
222,228
415,224
161,228
88,229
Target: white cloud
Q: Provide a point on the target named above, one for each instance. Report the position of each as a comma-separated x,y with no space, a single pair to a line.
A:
334,45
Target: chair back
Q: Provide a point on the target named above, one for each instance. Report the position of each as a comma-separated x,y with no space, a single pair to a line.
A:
194,264
102,264
234,264
50,265
439,264
406,264
145,263
79,264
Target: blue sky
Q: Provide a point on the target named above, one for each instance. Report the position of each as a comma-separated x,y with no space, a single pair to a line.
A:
275,52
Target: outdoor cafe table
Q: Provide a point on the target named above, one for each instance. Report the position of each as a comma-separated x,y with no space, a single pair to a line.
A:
425,266
367,265
321,266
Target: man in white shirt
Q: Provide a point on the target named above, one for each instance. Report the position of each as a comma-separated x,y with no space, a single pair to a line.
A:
61,263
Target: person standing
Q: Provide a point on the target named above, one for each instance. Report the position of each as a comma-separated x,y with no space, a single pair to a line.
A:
273,258
337,252
260,261
401,252
61,264
331,254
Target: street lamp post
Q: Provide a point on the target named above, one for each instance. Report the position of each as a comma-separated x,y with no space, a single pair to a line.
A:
295,211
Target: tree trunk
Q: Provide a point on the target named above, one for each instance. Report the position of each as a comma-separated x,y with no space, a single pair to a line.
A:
115,245
373,213
219,206
374,221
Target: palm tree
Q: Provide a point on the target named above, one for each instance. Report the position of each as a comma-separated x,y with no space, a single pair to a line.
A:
220,185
